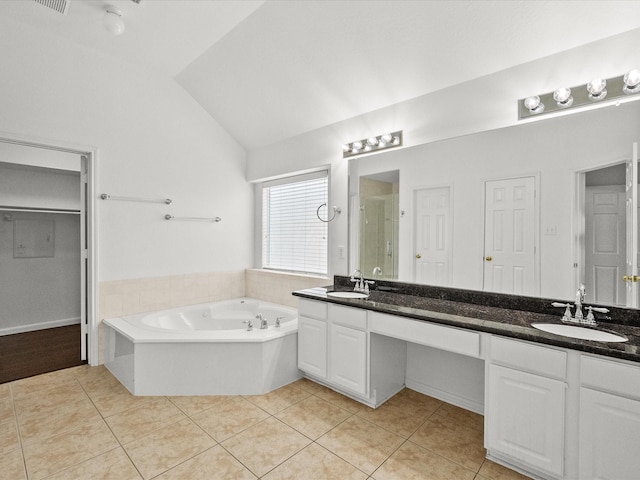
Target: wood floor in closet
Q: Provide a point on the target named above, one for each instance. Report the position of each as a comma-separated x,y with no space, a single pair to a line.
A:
32,353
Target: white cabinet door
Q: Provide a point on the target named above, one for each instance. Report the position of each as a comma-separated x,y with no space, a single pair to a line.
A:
312,346
609,436
348,358
525,418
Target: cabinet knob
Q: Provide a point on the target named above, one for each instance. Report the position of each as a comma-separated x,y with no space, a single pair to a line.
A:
418,255
488,258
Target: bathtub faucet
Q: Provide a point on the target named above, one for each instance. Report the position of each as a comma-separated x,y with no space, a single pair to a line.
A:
263,321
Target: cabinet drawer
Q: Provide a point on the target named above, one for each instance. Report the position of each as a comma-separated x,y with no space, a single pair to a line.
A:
309,308
611,376
529,357
349,317
451,339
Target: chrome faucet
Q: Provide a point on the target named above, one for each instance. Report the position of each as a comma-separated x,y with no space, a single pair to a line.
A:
579,316
580,294
361,285
263,321
376,271
358,279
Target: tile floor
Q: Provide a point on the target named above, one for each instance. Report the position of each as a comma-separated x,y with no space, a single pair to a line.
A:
80,423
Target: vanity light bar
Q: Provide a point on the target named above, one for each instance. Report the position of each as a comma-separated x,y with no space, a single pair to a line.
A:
590,93
372,144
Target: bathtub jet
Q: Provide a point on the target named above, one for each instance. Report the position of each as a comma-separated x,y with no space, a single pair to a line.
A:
205,349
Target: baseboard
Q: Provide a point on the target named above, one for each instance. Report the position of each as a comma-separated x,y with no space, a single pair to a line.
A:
448,397
39,326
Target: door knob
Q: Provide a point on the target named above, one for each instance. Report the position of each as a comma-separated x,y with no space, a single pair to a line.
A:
418,255
488,259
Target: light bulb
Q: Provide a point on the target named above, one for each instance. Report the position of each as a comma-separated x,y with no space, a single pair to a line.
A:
386,138
596,89
112,20
533,104
563,97
357,145
632,81
372,141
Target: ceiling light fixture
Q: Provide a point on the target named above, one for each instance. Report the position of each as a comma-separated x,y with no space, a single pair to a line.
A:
112,20
372,144
613,89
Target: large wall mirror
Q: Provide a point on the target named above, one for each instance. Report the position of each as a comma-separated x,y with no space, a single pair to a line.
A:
378,224
511,210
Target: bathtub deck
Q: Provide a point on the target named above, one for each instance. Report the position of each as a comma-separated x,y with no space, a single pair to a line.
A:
32,353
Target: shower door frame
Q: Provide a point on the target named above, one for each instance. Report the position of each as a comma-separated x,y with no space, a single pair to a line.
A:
88,251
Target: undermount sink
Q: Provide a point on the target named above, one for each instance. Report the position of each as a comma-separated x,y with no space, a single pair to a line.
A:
347,294
582,333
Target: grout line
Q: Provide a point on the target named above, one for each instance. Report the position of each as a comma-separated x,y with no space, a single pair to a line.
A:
15,421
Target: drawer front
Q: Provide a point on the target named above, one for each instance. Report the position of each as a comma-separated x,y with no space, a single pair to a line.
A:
348,317
611,376
310,308
529,357
451,339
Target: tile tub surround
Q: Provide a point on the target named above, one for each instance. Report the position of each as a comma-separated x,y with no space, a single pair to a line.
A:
507,315
129,297
81,423
276,287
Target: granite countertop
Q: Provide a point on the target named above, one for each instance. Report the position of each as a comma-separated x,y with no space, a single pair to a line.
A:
507,322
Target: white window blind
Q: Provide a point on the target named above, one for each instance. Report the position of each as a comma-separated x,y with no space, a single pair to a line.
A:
294,239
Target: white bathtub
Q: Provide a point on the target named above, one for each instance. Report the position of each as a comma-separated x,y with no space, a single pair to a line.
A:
204,349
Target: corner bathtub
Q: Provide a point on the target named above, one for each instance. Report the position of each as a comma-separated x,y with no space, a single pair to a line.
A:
204,349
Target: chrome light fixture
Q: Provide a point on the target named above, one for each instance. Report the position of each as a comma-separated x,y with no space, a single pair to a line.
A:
597,89
563,97
372,144
631,81
581,96
534,105
112,20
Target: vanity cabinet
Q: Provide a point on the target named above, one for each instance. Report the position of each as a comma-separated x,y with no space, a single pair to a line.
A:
333,345
334,348
609,420
524,415
312,338
348,348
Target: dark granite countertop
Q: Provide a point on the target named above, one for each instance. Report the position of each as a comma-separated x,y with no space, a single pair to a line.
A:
485,313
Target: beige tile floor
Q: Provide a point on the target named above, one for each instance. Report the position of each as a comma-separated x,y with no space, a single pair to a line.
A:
80,423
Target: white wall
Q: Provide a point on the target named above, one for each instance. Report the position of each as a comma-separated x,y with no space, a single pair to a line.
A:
35,187
153,140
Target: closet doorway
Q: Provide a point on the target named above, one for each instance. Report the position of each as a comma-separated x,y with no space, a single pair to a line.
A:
45,268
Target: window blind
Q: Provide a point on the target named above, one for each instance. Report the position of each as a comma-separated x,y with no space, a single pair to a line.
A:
294,239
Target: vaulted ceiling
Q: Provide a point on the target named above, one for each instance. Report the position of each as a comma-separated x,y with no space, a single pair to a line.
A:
270,70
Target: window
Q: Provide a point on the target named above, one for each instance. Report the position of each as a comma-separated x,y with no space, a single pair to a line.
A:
294,239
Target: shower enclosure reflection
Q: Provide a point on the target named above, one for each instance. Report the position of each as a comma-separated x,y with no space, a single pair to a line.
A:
378,232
